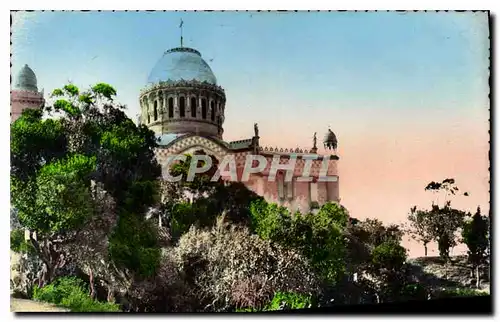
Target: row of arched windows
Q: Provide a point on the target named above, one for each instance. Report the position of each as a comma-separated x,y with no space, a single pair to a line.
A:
182,108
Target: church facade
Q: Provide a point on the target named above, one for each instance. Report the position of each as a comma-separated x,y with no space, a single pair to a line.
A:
183,104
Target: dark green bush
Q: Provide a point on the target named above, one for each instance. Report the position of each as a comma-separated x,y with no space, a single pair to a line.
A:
389,255
134,245
18,243
71,293
319,237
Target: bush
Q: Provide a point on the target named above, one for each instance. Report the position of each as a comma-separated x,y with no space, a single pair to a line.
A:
230,268
414,292
70,292
134,245
458,292
283,301
319,237
389,255
18,243
289,301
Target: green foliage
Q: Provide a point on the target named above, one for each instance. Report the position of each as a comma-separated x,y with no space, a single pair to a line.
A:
475,236
67,107
71,293
318,236
289,301
389,255
134,245
458,292
414,291
18,243
440,223
53,162
283,301
63,198
420,226
104,90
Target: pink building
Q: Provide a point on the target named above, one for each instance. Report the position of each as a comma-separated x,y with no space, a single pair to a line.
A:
183,104
25,93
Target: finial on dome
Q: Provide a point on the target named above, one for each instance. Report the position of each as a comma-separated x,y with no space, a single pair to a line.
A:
180,26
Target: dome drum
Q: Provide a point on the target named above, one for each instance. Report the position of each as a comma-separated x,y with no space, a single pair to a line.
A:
182,96
187,107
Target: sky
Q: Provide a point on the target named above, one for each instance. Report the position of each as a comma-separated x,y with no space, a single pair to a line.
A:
405,93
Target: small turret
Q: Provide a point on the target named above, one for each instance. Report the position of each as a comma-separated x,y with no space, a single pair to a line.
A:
330,141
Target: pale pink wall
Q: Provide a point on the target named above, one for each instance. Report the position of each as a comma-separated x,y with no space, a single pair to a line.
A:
21,100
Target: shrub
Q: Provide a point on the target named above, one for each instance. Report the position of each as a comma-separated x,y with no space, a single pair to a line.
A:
319,237
18,243
283,301
231,268
70,292
389,255
414,291
458,292
134,245
289,301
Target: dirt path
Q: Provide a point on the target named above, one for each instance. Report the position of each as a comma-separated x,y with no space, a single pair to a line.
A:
19,305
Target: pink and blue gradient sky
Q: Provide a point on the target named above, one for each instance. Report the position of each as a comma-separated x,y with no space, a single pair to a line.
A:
406,93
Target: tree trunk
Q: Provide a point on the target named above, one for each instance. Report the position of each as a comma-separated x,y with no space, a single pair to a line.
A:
91,282
478,282
425,250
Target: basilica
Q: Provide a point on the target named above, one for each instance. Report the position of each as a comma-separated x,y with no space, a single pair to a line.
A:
185,106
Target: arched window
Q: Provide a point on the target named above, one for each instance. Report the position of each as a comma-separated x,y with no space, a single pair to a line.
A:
212,111
171,107
182,106
280,178
289,189
155,111
193,107
149,118
204,108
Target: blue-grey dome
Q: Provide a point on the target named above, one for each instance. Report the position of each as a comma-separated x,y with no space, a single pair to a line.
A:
26,80
182,64
166,138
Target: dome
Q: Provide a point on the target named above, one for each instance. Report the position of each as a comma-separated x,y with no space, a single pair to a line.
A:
26,80
330,141
182,64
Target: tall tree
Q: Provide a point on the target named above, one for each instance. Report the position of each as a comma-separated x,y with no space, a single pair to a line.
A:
419,226
475,236
64,158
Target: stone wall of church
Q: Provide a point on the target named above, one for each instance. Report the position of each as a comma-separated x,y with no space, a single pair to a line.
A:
295,195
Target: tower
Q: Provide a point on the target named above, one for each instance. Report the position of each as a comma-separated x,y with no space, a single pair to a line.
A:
25,93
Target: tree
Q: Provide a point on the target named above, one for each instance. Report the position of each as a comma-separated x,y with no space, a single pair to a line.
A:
420,228
85,166
475,236
375,254
318,236
202,200
440,223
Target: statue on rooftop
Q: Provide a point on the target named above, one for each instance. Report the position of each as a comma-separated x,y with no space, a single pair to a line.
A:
256,129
